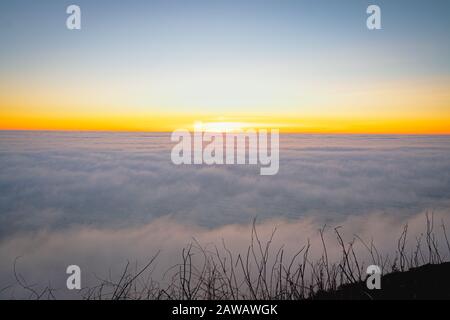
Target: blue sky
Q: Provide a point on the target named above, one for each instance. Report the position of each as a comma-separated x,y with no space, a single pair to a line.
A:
275,56
228,29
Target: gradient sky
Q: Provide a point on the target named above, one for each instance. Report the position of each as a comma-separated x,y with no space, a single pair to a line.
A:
303,66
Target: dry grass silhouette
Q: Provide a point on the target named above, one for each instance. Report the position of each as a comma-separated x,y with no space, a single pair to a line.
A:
263,272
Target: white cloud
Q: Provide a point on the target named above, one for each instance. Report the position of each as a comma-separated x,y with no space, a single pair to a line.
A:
104,198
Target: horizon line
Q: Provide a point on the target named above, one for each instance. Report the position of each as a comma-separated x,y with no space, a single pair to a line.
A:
190,130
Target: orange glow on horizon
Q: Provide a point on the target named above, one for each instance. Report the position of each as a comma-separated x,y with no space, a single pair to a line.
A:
398,107
161,123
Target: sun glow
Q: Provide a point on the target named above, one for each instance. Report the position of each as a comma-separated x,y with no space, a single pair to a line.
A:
223,126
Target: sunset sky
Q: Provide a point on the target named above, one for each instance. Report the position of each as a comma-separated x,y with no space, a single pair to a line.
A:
301,66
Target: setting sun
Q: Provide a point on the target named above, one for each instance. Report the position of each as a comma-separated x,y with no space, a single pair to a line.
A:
220,126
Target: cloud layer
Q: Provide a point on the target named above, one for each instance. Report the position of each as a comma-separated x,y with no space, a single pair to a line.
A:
55,180
97,196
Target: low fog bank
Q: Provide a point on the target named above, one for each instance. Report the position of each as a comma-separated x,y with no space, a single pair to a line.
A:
98,200
54,181
41,258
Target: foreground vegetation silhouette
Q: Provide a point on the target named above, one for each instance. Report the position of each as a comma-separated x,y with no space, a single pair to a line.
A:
266,273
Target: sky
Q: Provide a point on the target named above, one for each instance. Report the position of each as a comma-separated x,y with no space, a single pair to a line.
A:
301,66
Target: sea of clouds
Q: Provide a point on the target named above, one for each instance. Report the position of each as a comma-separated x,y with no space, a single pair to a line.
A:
99,200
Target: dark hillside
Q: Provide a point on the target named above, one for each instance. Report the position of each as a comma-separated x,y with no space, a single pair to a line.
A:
431,281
